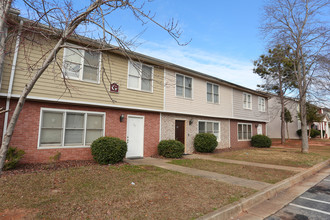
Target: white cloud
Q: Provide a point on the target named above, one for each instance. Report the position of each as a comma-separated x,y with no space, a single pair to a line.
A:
214,64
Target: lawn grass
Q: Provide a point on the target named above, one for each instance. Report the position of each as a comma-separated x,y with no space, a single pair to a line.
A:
242,171
114,192
279,156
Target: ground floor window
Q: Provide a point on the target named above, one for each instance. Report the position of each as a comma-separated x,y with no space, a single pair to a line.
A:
244,132
212,127
67,128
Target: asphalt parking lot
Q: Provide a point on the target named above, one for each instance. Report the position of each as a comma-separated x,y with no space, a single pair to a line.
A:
313,204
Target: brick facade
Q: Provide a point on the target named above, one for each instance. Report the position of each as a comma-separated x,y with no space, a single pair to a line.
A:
27,130
234,142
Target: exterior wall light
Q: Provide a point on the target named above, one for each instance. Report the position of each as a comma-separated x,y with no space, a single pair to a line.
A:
191,122
121,118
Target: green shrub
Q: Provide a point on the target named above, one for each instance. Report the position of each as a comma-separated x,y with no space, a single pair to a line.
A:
170,148
314,133
299,132
261,141
205,142
108,150
13,156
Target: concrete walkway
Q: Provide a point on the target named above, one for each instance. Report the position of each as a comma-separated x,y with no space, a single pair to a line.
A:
162,163
209,157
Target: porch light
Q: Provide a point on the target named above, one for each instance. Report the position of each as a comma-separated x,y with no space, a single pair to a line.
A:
121,118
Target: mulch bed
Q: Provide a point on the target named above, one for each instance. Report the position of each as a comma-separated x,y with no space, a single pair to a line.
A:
47,167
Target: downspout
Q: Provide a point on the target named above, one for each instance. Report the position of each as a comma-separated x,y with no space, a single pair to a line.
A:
11,80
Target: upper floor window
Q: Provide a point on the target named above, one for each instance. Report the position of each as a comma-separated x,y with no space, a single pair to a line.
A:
212,93
211,127
244,131
81,64
183,86
247,100
67,128
140,76
261,104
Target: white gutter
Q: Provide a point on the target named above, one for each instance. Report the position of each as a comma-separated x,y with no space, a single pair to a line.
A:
11,80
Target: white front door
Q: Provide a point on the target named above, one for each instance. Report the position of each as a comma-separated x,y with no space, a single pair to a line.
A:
135,134
259,129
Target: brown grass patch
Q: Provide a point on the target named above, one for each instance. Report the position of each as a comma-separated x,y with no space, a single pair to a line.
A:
279,156
115,192
242,171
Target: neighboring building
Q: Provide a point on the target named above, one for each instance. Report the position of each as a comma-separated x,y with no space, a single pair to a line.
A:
324,126
154,100
274,111
274,125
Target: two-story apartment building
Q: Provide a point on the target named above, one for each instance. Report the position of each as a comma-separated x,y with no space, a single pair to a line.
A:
69,106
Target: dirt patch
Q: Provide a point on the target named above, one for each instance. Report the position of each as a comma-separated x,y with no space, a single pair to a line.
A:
49,167
14,214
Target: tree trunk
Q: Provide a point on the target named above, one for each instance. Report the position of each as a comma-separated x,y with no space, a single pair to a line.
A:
287,130
28,87
282,123
304,138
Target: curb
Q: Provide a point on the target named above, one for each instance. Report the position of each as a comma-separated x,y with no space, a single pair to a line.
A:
235,208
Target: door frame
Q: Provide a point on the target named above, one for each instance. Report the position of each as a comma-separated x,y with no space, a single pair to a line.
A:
185,132
135,116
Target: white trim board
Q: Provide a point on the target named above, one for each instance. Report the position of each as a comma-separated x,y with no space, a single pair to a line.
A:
128,107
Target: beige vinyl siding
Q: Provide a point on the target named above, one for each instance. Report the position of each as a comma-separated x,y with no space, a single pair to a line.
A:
198,103
248,114
51,83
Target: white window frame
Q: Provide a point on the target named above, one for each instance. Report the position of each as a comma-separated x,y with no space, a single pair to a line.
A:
219,133
248,124
140,77
65,111
261,104
213,93
184,86
82,63
246,106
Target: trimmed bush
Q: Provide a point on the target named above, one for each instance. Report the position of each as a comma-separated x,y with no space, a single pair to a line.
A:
13,156
170,149
205,142
108,150
261,141
314,133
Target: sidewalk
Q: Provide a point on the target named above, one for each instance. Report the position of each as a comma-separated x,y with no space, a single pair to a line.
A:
162,163
209,157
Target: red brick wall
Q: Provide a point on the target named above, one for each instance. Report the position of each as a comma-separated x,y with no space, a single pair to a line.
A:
27,130
234,143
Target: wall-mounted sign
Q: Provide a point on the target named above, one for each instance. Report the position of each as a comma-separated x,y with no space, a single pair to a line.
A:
114,87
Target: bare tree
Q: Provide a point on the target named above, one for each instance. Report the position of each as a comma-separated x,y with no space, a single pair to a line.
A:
64,20
301,24
276,70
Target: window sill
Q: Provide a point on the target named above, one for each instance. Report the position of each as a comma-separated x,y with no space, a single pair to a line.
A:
140,90
59,147
181,97
244,140
79,80
247,108
212,103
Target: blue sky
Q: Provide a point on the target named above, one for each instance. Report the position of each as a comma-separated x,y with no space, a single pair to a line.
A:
225,36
